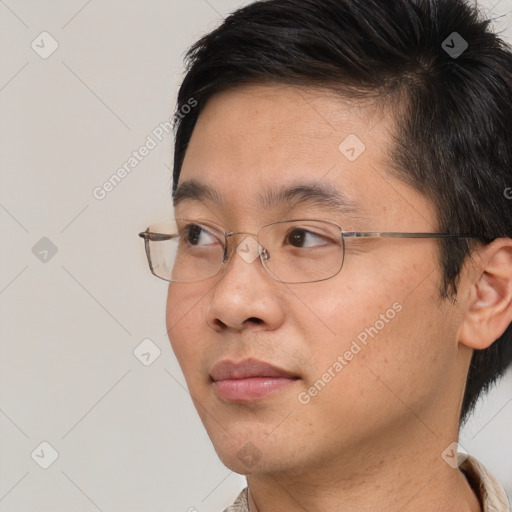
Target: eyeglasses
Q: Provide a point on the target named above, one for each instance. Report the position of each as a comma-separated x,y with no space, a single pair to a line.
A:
291,251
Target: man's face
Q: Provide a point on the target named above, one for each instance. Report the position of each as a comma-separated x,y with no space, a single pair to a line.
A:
373,351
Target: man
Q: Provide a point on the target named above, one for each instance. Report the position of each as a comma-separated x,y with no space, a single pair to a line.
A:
340,265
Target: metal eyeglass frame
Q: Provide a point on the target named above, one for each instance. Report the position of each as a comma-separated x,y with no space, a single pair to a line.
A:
157,237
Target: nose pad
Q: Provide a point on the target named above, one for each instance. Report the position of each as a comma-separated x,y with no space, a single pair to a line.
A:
265,256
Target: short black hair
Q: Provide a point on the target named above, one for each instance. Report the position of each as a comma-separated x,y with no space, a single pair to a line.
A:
453,139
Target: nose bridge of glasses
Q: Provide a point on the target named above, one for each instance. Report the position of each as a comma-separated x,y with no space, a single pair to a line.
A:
247,247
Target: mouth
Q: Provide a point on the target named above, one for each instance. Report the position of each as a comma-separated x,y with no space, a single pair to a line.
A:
249,380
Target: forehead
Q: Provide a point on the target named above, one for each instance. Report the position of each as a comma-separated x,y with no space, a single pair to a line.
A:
252,141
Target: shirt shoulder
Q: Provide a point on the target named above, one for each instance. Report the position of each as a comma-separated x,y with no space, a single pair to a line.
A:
490,492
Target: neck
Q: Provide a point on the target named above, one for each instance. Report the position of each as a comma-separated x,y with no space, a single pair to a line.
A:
413,478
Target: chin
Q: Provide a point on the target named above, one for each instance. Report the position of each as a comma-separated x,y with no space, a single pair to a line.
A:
243,456
249,455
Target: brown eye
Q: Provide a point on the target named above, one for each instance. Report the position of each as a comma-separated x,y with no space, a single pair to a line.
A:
193,234
197,235
303,238
297,237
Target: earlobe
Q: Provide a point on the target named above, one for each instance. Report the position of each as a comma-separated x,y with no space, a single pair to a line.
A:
489,306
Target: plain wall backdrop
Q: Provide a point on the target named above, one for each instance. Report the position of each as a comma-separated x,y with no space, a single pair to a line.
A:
82,86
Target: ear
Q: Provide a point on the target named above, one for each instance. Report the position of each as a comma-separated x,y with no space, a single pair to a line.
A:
489,300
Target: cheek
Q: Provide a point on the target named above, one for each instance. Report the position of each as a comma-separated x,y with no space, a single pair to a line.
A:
184,319
383,328
373,373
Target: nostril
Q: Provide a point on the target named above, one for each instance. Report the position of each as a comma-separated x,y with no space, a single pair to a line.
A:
255,320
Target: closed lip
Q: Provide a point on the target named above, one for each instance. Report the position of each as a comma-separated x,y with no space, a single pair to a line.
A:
247,368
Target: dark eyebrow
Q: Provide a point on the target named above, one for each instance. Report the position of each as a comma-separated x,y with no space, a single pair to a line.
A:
323,195
193,190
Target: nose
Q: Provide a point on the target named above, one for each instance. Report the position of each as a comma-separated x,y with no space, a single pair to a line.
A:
245,296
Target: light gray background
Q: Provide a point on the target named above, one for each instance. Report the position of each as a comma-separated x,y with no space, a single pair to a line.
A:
127,435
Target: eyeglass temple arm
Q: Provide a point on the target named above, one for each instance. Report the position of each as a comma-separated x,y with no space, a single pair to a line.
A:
159,237
156,237
388,234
